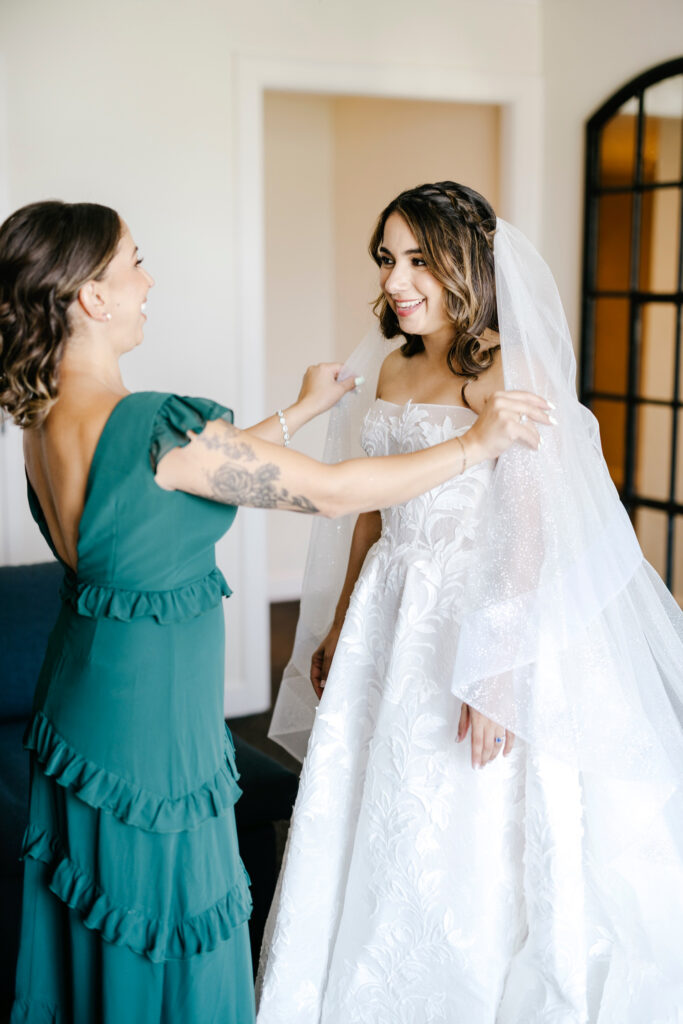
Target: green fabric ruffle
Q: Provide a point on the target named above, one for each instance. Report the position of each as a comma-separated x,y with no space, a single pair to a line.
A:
97,601
155,938
127,801
178,415
35,1012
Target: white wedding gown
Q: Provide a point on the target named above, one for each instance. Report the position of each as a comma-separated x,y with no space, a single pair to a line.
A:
416,890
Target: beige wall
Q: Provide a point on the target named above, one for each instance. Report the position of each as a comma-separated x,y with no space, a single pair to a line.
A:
382,147
332,163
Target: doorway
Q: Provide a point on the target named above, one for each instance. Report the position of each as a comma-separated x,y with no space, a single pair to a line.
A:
331,163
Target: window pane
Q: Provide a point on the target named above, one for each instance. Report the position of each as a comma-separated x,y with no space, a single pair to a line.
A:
615,215
677,582
663,105
610,368
653,467
651,529
618,146
659,238
678,491
612,419
658,350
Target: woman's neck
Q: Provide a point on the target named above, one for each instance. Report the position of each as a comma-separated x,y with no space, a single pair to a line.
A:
438,345
89,363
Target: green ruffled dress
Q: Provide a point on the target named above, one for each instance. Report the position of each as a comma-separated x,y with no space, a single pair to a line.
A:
136,901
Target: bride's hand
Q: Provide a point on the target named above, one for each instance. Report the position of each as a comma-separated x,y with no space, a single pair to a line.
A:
506,417
320,389
322,659
484,735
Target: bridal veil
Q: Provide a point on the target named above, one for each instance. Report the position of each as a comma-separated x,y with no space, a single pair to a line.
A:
568,637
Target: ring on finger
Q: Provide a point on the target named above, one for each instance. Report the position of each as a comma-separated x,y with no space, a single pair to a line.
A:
523,417
499,739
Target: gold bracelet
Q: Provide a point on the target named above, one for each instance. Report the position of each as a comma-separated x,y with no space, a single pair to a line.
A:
464,453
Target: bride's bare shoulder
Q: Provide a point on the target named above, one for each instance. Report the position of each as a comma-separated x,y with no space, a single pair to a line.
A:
477,390
393,368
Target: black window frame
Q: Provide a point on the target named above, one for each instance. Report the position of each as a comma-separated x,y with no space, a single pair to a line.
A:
594,189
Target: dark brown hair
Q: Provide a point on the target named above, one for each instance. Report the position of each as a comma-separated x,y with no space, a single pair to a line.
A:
48,250
454,227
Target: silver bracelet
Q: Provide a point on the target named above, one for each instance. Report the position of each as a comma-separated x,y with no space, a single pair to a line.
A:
464,453
283,423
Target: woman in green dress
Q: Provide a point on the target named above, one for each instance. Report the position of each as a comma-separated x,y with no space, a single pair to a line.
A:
135,899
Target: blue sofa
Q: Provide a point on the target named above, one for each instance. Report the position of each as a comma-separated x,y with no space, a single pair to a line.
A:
29,601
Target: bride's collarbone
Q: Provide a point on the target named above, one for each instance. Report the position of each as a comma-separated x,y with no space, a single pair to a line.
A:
408,380
401,388
419,392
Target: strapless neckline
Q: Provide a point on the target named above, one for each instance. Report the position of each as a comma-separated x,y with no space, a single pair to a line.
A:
426,405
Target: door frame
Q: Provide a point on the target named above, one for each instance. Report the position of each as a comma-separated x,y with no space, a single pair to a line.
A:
520,98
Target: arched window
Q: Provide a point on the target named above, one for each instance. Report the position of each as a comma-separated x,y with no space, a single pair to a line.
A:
632,316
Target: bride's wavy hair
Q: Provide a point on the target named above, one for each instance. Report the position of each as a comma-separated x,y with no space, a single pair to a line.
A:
454,228
48,250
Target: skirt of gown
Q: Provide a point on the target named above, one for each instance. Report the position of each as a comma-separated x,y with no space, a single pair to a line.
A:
416,890
135,906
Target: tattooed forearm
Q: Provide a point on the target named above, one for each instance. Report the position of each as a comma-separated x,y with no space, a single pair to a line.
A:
258,488
233,449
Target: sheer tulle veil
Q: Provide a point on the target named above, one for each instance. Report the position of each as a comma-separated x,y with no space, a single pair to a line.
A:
567,636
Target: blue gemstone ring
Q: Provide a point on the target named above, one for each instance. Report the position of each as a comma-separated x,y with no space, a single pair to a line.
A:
499,739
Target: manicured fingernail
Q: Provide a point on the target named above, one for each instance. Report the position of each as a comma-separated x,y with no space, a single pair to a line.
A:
477,765
552,420
541,442
358,381
551,405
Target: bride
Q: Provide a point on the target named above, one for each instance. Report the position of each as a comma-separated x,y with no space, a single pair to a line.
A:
503,621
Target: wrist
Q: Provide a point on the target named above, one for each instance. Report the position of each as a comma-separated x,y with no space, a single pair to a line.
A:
472,450
339,616
295,416
300,412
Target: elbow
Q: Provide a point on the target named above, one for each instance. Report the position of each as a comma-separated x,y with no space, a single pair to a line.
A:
331,509
333,501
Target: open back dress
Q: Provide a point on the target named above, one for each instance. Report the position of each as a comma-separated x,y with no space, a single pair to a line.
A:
136,902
